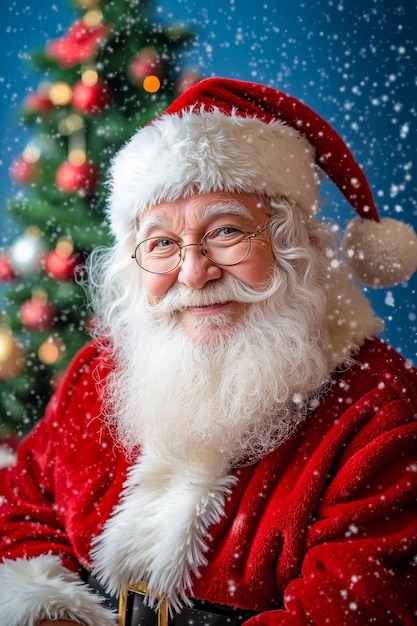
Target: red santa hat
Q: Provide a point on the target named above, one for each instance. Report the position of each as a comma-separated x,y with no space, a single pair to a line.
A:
229,135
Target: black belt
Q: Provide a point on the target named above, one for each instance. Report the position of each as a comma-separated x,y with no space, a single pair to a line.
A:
136,613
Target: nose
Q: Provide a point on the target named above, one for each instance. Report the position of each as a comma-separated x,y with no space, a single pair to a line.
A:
196,270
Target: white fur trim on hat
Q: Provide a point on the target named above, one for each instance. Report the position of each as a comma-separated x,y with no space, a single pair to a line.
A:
203,151
42,588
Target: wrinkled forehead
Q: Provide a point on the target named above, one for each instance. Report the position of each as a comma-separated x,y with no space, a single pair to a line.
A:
241,209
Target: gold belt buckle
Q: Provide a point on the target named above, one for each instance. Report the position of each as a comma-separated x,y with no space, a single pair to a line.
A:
141,589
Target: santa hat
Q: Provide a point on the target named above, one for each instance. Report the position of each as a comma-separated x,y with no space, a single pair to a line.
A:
229,135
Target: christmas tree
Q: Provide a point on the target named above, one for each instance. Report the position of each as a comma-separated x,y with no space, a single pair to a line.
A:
113,71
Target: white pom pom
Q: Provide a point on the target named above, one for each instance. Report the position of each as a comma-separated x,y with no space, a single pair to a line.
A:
380,254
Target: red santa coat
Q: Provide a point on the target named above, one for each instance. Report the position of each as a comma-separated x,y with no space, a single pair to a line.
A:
321,531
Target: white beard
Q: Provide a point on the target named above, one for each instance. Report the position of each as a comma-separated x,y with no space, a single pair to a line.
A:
223,402
199,403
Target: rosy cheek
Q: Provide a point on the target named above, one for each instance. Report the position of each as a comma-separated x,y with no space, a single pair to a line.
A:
264,269
256,273
156,286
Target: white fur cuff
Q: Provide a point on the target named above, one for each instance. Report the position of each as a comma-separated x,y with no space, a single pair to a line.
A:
42,588
159,531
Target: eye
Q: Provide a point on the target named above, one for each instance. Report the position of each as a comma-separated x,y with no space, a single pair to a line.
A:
160,245
164,243
224,232
227,231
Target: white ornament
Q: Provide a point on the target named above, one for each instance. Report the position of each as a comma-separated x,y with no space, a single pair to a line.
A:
27,252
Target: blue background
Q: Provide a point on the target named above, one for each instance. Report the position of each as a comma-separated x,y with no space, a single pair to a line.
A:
353,61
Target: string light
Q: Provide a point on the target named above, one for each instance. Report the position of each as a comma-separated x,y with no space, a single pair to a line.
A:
151,84
89,77
73,127
70,124
60,93
64,247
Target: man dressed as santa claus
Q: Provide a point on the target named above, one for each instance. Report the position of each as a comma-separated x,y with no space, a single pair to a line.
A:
235,444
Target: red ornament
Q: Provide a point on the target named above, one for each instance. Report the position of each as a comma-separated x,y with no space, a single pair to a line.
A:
80,43
146,63
92,99
7,272
60,265
37,102
77,178
23,171
37,313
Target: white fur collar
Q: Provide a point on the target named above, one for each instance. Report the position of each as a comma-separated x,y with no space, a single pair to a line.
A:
158,533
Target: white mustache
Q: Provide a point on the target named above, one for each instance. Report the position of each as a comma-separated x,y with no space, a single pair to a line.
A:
228,289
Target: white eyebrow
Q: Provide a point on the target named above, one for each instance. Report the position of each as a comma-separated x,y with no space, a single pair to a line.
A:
226,207
231,207
148,224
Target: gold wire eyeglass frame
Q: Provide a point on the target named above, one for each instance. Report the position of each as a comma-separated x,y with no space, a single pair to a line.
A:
249,236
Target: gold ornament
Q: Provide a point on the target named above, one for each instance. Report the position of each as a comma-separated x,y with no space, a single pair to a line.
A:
94,17
51,351
12,356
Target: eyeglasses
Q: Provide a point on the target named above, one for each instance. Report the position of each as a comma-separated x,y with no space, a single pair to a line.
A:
224,245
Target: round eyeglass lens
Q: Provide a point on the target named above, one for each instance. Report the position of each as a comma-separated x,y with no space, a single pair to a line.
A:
226,245
158,255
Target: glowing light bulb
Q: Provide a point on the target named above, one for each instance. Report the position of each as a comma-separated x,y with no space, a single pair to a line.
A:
151,84
60,93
